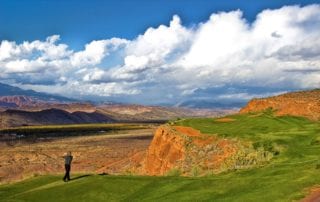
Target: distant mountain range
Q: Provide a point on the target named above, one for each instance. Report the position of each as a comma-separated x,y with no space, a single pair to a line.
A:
13,118
28,103
7,90
39,97
78,113
27,107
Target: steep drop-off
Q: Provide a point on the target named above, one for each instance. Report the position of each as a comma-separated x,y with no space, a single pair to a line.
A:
304,103
185,151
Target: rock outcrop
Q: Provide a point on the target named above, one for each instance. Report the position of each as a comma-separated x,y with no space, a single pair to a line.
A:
304,103
185,151
166,151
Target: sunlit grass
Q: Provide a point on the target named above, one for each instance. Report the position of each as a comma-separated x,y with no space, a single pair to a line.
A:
287,177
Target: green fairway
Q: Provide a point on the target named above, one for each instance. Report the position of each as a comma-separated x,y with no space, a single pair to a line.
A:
290,173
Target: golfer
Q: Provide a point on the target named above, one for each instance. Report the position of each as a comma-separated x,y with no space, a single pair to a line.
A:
67,164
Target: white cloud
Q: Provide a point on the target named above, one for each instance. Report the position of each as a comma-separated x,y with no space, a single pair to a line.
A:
157,43
279,49
95,51
216,40
8,50
23,66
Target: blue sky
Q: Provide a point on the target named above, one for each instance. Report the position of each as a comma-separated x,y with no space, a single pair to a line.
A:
161,52
81,21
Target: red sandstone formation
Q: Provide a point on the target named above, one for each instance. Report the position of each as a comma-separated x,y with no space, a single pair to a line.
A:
185,149
304,103
166,150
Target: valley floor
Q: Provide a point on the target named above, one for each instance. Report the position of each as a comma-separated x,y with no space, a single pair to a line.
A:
109,152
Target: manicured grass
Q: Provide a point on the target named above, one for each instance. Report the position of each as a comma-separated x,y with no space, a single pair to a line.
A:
267,184
298,137
248,126
287,177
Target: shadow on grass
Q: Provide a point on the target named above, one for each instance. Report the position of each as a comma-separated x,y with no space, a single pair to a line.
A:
103,174
79,177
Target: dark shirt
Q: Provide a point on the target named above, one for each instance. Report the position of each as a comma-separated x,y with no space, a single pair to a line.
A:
67,160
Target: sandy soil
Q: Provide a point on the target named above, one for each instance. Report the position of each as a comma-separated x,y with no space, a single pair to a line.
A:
105,153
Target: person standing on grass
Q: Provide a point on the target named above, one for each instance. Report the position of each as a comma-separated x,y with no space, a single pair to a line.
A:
67,164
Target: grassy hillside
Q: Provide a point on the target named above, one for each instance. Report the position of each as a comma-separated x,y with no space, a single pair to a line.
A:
293,169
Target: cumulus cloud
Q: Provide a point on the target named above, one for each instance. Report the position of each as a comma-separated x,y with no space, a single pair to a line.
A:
172,63
158,44
95,51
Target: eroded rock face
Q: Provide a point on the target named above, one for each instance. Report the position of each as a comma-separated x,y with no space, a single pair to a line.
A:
304,103
187,150
179,150
166,151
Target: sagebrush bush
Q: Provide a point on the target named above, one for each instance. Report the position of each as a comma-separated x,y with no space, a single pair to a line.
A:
195,171
174,172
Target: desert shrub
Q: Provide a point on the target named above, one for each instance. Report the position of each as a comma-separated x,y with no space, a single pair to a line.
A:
247,156
268,146
128,172
36,174
174,172
269,111
195,171
210,173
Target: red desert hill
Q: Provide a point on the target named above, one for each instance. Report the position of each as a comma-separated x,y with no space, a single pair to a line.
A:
302,103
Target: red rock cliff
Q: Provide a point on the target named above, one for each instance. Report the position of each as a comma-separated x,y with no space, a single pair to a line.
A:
304,103
166,150
185,149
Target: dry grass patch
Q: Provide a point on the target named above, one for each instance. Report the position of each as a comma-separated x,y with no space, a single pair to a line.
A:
225,120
